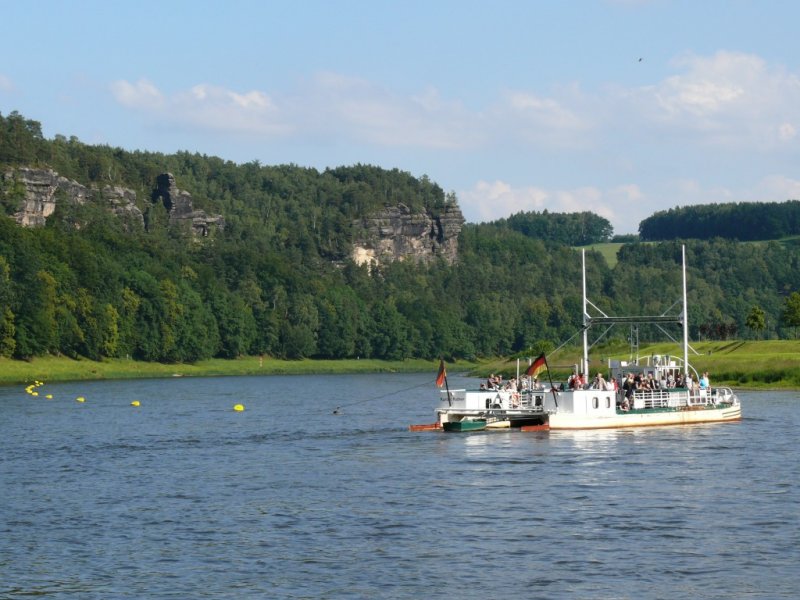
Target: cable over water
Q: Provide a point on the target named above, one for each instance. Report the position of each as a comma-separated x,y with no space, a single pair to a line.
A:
338,409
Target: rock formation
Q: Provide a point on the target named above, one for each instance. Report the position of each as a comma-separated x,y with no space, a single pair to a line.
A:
180,207
42,189
397,233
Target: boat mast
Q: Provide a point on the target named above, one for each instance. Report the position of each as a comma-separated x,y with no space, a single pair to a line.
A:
586,318
685,319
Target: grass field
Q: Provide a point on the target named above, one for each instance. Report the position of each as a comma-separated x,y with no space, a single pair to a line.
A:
769,364
609,252
750,364
65,369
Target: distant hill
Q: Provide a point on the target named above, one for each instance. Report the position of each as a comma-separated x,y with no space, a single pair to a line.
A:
108,253
743,221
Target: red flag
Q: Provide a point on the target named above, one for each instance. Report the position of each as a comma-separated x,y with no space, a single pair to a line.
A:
537,366
441,376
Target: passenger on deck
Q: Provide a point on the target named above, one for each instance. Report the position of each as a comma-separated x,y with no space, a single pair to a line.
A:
491,383
704,382
577,382
599,382
652,384
628,387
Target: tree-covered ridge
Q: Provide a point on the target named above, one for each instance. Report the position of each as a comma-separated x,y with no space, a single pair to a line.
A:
576,229
744,221
278,280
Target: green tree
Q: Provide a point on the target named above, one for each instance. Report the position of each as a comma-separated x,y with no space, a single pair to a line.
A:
791,311
37,329
756,320
7,328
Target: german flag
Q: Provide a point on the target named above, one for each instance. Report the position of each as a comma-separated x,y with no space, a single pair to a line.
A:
537,366
441,376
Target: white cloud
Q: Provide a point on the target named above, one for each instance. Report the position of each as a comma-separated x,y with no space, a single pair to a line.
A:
6,85
353,108
203,106
142,95
728,98
786,132
777,188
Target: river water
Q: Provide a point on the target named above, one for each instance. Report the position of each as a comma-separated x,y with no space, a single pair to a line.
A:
183,497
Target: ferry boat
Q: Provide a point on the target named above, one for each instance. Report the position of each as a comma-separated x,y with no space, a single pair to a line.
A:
608,405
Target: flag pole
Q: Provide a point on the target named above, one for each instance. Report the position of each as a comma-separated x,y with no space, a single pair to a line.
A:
442,375
550,378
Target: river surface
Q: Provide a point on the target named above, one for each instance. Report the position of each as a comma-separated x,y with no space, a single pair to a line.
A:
183,497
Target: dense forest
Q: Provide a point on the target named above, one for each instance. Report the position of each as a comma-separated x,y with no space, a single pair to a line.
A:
744,221
278,279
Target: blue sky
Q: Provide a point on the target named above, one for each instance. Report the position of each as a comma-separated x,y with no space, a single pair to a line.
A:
513,105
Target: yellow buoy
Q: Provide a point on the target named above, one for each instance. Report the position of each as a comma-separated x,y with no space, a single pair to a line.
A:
136,403
238,407
80,399
34,393
49,396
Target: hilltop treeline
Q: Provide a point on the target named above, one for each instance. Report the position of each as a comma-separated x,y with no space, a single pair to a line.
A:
576,229
744,221
277,280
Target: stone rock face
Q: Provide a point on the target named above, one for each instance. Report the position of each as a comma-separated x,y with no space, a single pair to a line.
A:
122,202
180,207
44,188
397,233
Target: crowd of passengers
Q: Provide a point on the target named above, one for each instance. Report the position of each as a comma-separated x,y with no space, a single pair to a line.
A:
639,381
625,386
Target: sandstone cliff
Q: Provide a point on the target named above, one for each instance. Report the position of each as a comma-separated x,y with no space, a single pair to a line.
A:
397,233
393,233
39,190
180,207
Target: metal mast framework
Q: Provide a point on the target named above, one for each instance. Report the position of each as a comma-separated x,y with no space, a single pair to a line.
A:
666,317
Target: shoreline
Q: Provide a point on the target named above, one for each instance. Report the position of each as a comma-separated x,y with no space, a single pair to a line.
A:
750,371
62,369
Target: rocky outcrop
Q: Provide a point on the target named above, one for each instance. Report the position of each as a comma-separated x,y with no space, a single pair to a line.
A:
40,190
398,233
122,202
180,207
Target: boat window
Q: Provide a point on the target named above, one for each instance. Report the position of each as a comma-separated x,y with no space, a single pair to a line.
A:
595,402
608,402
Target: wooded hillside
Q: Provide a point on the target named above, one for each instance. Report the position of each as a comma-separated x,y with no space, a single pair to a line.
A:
744,221
278,279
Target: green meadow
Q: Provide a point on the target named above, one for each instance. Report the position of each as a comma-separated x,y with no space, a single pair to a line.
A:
50,369
770,364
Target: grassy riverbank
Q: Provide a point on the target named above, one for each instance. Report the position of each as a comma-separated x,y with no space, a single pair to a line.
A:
771,364
53,369
748,364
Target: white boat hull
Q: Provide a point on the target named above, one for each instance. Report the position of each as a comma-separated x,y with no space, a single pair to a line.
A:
646,419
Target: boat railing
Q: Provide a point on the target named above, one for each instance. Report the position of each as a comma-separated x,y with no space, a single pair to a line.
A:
651,398
684,397
723,395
